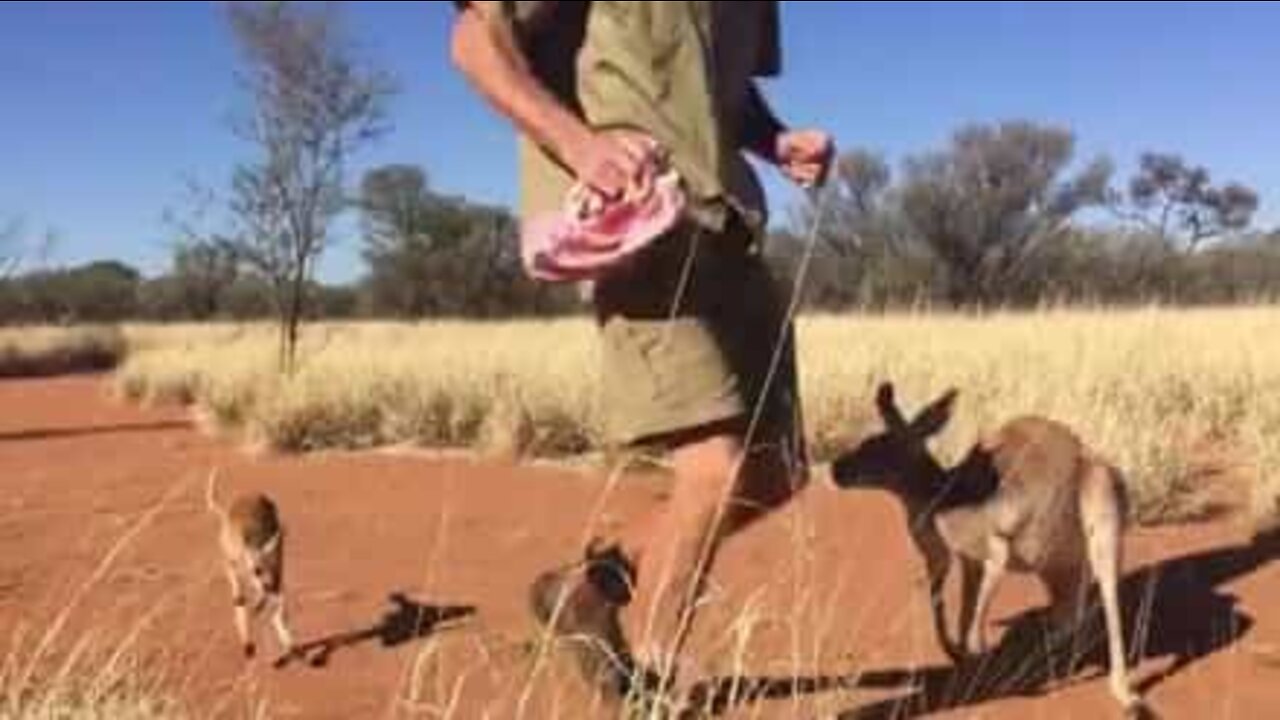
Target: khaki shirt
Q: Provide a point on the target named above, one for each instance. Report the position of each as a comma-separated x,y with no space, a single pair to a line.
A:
679,71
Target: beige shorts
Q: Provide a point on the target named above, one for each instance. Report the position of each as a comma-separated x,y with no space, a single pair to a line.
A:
692,329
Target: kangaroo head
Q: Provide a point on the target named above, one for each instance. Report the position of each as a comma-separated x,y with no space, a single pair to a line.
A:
897,458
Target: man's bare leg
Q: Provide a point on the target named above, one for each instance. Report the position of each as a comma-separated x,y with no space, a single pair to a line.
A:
716,495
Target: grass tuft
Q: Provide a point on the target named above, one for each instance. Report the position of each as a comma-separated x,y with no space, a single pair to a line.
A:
46,352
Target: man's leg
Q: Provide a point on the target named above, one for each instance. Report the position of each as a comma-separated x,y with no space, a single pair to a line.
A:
719,489
659,565
689,377
716,494
678,547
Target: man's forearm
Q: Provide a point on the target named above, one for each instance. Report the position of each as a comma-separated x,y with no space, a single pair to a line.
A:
760,127
484,49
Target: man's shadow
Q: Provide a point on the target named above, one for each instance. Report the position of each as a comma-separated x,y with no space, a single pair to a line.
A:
406,622
1173,609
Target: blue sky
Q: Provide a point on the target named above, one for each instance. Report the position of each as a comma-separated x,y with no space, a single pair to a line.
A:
108,105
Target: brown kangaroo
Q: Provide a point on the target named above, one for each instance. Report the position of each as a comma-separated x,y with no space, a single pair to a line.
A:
251,540
1029,498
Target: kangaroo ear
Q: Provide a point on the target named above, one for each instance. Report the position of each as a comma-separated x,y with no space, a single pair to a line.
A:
933,418
888,406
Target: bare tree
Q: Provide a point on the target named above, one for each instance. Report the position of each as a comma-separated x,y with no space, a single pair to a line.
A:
864,254
1178,203
16,247
986,204
205,261
854,204
313,105
203,272
10,247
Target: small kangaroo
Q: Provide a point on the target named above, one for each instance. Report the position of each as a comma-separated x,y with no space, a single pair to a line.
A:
1030,498
251,539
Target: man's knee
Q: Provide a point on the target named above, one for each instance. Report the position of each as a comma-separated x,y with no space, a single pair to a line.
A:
716,474
716,456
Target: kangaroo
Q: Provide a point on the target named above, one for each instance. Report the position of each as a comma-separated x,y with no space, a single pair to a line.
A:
1029,498
251,540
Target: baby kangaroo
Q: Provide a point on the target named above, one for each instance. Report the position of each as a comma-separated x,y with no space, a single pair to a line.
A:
1030,498
251,539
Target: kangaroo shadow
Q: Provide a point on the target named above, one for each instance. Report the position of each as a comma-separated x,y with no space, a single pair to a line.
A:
406,622
1174,610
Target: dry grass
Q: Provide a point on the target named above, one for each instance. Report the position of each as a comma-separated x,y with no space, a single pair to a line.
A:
92,693
42,352
47,676
1180,399
519,387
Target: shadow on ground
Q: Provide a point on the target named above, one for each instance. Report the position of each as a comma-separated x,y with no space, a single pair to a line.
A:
76,432
406,622
1174,610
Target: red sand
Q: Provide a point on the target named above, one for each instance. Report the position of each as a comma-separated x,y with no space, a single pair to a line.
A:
831,584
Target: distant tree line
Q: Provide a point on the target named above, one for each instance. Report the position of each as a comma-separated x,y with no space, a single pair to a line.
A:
998,218
1001,216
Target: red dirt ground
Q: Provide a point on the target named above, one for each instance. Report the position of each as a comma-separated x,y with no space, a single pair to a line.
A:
827,591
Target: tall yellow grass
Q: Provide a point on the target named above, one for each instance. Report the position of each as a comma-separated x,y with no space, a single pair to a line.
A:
90,684
1179,398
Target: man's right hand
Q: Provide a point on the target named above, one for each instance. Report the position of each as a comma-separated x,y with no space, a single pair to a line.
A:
485,50
610,161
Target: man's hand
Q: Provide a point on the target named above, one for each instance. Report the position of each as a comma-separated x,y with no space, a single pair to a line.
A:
805,156
610,161
485,50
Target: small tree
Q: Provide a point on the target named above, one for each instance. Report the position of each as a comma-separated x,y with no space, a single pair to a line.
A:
16,249
203,271
988,202
10,252
853,205
863,255
431,254
313,105
402,235
9,233
1178,203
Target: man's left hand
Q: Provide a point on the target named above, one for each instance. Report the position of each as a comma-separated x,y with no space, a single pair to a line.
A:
805,156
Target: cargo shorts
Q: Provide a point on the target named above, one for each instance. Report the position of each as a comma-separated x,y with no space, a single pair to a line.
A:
690,330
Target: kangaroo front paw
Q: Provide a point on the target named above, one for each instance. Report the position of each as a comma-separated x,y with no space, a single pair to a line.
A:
1139,710
250,651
